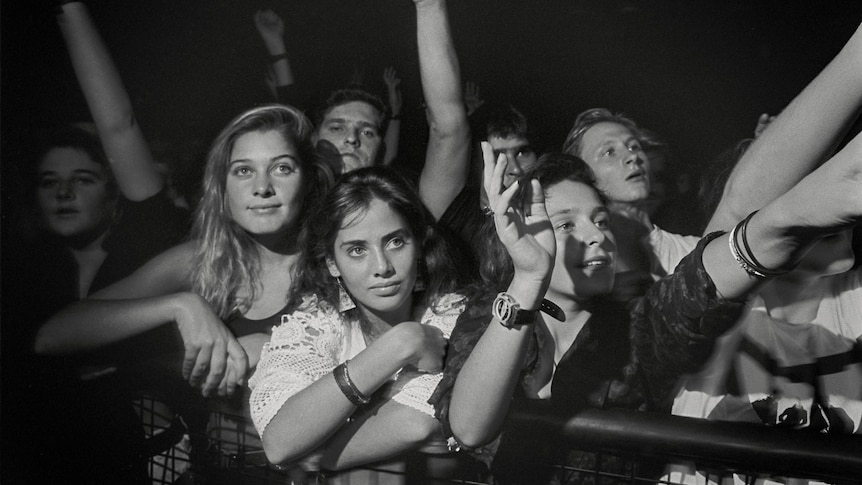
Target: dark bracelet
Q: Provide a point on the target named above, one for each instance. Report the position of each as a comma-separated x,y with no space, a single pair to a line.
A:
395,117
353,394
277,57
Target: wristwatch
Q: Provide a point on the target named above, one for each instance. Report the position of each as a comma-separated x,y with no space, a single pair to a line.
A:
508,312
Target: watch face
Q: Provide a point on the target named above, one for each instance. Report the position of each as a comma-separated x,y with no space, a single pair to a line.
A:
504,308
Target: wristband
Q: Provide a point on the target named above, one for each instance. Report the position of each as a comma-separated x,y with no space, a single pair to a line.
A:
277,57
395,117
348,388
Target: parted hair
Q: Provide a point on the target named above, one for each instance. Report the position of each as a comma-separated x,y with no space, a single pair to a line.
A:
587,119
352,194
226,259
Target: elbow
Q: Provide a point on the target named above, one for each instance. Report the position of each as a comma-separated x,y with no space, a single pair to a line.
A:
469,436
279,451
46,343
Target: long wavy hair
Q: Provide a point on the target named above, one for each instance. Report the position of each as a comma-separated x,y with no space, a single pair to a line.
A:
496,269
353,193
226,259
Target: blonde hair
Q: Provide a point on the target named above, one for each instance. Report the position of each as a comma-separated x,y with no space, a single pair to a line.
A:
226,258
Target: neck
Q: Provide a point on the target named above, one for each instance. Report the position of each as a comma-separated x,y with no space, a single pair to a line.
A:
275,247
380,322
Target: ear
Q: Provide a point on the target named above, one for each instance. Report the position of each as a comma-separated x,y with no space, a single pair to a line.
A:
333,269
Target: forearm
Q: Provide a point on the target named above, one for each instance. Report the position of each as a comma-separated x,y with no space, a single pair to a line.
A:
109,104
447,158
381,433
311,416
486,382
798,140
393,134
91,324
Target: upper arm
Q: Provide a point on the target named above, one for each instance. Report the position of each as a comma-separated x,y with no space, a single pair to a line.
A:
446,164
166,273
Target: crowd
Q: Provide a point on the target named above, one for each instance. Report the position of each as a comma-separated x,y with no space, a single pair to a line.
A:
355,312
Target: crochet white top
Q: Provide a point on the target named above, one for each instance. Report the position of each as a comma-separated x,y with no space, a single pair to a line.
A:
310,342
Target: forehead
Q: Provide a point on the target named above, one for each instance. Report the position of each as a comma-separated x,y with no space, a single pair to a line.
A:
68,160
261,144
371,223
507,143
355,111
572,197
605,131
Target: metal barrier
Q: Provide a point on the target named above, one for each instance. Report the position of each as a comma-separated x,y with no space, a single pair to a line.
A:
723,448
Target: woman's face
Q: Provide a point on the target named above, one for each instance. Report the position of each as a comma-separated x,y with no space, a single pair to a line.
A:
264,183
73,194
377,257
584,265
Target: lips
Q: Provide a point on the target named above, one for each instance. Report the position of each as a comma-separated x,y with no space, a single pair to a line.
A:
636,176
386,289
597,262
264,208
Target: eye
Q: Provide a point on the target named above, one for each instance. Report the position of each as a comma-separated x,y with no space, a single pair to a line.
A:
48,183
602,222
369,133
565,226
396,243
85,181
635,147
284,169
526,152
356,251
241,171
610,152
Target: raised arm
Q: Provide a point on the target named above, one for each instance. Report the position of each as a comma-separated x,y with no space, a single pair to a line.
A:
122,139
152,296
447,158
271,29
797,140
484,386
393,129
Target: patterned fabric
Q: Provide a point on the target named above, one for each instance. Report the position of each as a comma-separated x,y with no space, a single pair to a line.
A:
310,342
620,359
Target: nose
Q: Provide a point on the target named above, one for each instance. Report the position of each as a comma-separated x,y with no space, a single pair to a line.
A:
263,186
66,190
383,267
352,137
591,235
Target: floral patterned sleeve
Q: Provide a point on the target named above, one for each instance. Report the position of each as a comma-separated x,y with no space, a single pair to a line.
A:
416,392
675,325
303,348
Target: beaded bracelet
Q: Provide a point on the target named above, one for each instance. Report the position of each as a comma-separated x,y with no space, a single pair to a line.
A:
353,394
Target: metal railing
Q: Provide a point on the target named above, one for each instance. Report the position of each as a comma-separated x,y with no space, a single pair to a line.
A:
723,448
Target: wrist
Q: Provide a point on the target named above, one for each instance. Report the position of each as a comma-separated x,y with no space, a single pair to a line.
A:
527,292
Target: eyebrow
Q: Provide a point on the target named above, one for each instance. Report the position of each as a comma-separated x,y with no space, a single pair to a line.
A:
358,122
80,171
273,159
361,242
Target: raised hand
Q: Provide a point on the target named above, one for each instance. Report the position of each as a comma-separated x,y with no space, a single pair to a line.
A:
214,359
472,97
393,86
271,29
522,223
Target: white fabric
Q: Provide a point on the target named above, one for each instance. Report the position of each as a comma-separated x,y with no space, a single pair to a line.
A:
310,342
835,329
667,250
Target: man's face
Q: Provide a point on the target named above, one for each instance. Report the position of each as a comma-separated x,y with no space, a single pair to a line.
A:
519,153
353,128
618,162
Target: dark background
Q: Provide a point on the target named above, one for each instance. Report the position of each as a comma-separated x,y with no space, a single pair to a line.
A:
697,73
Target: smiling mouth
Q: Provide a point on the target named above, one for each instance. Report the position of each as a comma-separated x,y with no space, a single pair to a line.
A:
596,262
